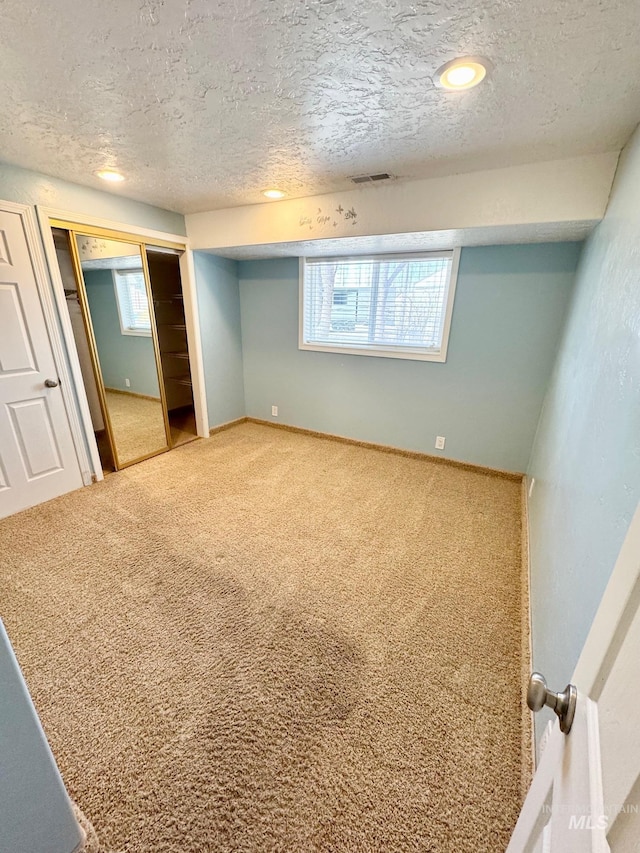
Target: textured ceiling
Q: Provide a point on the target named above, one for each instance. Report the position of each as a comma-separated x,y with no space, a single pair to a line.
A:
204,103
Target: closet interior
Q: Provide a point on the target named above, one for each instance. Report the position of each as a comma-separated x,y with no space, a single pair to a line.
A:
168,304
126,307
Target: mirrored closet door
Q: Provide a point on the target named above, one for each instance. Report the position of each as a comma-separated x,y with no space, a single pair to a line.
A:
115,297
127,315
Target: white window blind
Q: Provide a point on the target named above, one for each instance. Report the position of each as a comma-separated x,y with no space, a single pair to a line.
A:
133,306
388,305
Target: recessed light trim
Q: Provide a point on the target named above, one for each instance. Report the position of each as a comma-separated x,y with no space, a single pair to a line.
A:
274,193
110,175
463,73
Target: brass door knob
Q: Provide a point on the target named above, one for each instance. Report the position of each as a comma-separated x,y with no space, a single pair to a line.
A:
51,383
564,704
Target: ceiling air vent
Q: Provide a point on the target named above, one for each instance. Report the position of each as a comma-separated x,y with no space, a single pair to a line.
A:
367,179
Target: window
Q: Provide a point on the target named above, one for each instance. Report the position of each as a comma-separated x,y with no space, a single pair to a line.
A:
133,306
397,306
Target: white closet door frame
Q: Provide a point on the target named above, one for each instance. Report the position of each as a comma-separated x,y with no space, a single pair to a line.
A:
81,424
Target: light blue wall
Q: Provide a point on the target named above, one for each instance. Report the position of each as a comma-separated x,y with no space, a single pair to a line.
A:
508,314
35,811
219,308
586,459
25,187
121,356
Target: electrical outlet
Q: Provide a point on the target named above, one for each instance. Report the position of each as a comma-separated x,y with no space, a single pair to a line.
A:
440,442
532,485
274,411
127,382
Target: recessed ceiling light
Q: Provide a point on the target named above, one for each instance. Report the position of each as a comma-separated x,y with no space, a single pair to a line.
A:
274,193
463,73
110,175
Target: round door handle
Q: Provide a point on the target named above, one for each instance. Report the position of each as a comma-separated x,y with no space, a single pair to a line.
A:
564,704
51,383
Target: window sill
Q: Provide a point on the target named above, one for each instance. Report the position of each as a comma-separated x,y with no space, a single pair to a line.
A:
138,333
439,356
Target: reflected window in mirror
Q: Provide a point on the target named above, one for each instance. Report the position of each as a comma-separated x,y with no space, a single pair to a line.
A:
133,307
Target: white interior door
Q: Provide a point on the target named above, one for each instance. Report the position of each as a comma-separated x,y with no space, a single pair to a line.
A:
585,795
37,456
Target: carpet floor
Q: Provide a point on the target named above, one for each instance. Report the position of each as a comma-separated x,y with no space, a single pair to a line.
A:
268,641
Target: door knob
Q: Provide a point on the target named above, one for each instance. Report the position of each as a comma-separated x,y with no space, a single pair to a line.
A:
51,383
564,704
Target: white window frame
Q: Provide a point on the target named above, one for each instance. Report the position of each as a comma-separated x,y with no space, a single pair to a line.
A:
141,333
413,353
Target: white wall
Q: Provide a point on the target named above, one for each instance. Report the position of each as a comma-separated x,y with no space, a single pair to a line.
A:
586,457
515,204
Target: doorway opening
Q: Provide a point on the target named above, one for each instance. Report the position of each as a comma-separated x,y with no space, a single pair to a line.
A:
168,305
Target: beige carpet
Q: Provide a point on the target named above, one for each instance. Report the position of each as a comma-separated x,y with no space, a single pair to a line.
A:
137,424
273,642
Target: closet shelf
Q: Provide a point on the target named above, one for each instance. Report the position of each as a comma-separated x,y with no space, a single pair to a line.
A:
181,326
176,354
181,380
169,301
